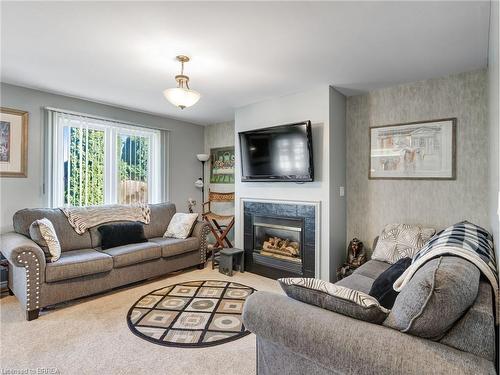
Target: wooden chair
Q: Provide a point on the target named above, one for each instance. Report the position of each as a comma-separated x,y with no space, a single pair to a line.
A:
220,225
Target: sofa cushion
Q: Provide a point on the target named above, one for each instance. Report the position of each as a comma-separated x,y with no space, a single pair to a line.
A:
68,238
437,295
113,235
134,253
475,331
176,246
335,298
382,288
357,282
161,214
401,240
43,233
77,263
372,268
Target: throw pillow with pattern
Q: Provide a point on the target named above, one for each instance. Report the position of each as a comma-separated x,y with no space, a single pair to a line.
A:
43,233
399,241
181,225
335,298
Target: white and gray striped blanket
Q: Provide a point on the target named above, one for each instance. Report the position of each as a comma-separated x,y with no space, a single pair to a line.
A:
465,240
83,218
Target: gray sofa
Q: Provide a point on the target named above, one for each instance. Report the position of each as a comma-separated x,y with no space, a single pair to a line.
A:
298,338
84,268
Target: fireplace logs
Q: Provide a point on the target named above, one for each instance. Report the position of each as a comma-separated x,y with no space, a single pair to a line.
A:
281,246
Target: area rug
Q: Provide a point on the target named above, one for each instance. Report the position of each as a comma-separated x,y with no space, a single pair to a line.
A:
191,314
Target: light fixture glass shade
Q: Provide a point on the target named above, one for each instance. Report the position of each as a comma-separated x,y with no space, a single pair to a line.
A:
181,97
203,157
198,183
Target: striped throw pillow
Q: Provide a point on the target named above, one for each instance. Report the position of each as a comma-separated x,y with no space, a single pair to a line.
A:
43,233
335,298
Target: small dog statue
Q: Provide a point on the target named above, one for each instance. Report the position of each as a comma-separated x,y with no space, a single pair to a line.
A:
356,256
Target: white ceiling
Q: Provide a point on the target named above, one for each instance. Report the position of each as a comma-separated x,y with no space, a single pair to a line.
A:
123,53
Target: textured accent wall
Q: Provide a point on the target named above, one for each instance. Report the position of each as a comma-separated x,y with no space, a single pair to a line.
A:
219,135
373,203
494,134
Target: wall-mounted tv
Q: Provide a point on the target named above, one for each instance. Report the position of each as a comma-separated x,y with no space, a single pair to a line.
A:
278,153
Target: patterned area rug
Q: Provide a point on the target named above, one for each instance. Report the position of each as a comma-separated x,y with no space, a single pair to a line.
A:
191,314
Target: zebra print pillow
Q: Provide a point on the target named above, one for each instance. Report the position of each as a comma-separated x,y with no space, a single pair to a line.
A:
43,233
335,298
399,241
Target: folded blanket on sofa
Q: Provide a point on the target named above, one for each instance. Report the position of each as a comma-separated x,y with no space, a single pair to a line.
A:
465,240
83,218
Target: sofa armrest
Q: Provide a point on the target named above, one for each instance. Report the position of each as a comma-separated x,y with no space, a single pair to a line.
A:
28,262
201,230
21,251
347,345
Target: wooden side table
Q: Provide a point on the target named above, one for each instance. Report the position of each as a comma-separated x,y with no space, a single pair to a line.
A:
227,256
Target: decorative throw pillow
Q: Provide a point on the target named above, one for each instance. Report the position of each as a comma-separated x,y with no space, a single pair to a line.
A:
119,234
335,298
382,288
181,225
43,233
400,241
437,296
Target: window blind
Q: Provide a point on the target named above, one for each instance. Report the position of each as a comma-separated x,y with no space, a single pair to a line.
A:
92,160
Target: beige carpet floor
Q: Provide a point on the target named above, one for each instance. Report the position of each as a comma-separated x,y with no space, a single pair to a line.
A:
91,336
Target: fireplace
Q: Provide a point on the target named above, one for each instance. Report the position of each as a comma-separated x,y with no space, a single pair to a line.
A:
279,239
278,242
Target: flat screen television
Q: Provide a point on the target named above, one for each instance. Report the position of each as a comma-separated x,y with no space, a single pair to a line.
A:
278,153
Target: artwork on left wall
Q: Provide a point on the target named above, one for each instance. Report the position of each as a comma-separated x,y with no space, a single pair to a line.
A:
13,143
222,165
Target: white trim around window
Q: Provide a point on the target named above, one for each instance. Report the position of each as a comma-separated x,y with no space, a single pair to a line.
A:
93,160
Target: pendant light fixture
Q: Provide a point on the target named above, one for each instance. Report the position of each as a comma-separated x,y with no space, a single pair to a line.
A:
182,96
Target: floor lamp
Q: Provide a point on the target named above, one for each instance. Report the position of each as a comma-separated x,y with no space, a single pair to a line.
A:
201,181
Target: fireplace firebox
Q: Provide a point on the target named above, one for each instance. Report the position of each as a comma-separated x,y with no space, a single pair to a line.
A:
279,239
278,242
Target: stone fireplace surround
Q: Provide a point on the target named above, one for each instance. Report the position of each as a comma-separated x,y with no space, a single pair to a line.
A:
306,213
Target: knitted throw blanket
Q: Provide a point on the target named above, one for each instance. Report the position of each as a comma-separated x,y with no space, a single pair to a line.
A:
465,240
83,218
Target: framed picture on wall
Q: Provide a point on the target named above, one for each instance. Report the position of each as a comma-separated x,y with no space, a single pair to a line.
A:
424,150
13,143
222,165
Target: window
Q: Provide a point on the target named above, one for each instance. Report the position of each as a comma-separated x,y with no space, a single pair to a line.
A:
96,161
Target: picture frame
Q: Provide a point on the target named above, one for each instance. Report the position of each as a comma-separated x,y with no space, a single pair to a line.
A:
222,165
13,143
420,150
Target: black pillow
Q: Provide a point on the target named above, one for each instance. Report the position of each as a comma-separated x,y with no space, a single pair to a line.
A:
382,286
119,234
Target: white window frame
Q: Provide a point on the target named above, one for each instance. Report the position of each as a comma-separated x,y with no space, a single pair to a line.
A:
112,130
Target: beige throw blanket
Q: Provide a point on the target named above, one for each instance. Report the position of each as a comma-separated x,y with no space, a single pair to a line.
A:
83,218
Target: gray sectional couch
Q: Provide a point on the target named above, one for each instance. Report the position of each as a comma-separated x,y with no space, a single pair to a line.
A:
297,338
84,268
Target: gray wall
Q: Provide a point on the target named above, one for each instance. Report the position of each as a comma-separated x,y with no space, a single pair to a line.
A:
337,164
313,105
373,203
494,135
186,140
